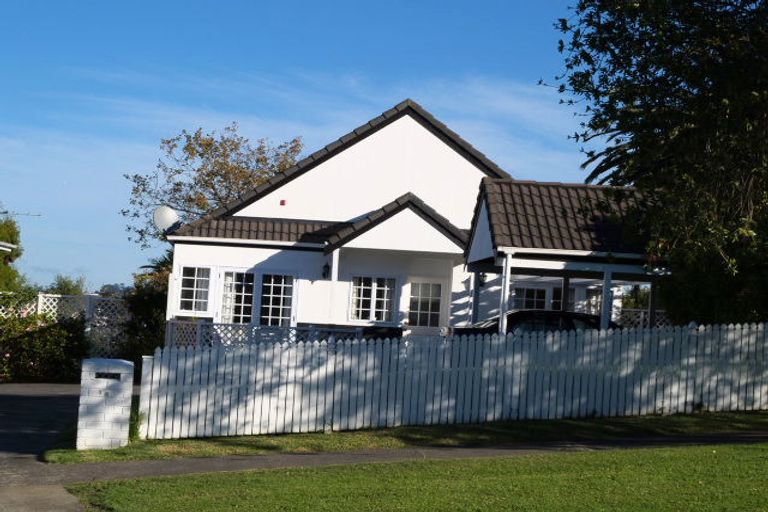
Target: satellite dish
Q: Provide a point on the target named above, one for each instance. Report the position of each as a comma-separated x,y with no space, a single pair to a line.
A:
165,218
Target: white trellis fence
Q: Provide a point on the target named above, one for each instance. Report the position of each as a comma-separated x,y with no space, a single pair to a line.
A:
349,384
179,333
629,318
104,317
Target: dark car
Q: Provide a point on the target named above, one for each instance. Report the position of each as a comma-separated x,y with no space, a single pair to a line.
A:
519,322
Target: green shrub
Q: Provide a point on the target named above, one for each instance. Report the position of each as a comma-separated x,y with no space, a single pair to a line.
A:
37,349
145,328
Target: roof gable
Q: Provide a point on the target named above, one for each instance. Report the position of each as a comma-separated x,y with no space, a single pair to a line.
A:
406,108
480,244
375,218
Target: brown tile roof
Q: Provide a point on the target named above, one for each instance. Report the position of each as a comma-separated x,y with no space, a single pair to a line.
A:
407,107
409,200
259,228
334,234
536,215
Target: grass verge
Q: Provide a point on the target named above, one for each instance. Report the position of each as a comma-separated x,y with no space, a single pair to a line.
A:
724,477
488,434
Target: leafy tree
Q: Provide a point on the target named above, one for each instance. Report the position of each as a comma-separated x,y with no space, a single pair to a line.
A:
674,96
201,171
637,297
156,273
117,290
66,285
10,278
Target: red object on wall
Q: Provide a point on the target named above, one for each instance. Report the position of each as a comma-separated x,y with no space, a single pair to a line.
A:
282,202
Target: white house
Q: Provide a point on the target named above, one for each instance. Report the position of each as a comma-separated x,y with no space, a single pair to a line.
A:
369,231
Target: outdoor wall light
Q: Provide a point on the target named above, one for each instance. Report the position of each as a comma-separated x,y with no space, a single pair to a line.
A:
326,271
481,277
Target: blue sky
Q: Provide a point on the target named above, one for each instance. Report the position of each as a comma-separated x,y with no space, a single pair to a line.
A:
88,89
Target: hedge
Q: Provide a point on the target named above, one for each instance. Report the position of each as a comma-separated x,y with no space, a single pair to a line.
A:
37,349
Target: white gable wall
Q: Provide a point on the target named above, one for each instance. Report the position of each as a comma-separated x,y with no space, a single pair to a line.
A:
401,157
405,231
481,245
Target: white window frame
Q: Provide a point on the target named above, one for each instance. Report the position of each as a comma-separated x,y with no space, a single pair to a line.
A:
207,312
445,300
222,284
257,303
395,300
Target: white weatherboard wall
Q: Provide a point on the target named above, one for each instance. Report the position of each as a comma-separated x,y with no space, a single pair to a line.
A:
104,413
308,387
321,301
303,265
401,157
407,268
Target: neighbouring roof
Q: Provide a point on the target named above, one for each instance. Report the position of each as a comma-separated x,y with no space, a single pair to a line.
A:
376,217
565,216
407,107
332,234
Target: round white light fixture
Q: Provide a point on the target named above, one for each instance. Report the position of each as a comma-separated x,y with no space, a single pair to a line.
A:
165,218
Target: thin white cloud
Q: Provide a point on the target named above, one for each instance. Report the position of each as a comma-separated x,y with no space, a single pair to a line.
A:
73,173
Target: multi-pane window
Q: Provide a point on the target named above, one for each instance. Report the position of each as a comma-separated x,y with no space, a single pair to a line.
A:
529,298
424,308
373,298
195,282
276,300
557,299
237,300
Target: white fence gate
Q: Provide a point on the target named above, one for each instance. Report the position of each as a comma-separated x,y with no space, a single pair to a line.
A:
346,385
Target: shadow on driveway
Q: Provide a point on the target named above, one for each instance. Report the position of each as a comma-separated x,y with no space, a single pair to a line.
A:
33,415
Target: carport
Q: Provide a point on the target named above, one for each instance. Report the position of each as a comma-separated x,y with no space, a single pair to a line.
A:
559,230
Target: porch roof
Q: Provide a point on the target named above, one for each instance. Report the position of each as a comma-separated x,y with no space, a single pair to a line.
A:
556,229
560,216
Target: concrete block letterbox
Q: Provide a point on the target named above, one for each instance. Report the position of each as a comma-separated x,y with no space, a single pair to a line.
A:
106,386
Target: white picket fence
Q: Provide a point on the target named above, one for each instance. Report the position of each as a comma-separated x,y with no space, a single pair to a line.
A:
346,385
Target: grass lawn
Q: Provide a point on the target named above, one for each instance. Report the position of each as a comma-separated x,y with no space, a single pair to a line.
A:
723,477
488,434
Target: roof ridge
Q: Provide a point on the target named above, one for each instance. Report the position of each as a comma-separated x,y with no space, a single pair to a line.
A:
556,184
275,219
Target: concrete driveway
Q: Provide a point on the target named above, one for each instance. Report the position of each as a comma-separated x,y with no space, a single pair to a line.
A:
31,418
33,415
